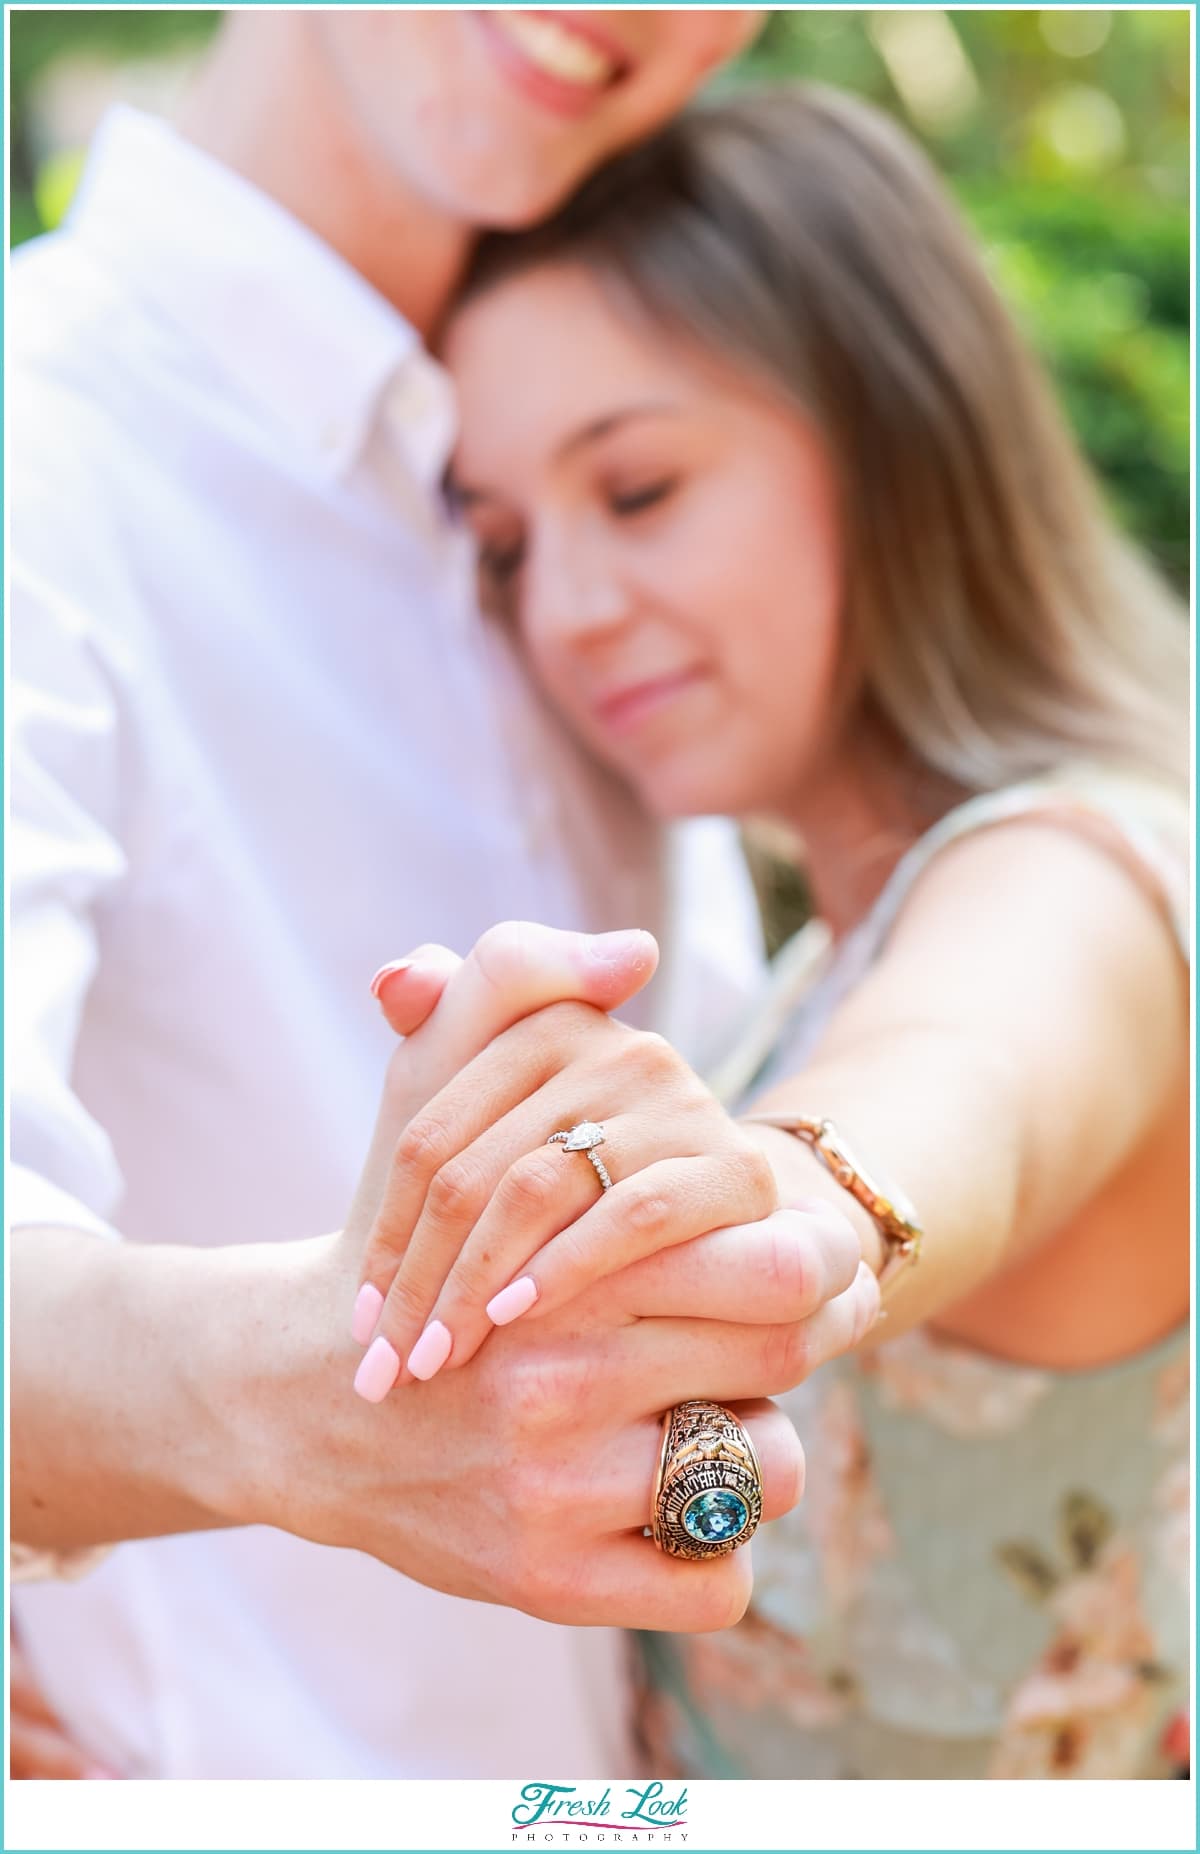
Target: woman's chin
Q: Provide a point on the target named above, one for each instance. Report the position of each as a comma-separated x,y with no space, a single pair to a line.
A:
670,798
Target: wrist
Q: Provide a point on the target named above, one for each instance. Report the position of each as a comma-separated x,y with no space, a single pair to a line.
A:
260,1378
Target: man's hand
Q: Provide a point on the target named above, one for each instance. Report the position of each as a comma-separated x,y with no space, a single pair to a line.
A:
526,1478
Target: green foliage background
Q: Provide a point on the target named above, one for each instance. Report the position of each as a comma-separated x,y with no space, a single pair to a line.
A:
1064,132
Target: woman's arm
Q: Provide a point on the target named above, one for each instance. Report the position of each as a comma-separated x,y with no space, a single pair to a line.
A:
1006,1062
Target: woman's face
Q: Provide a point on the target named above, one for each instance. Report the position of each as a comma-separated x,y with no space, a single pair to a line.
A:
665,534
494,115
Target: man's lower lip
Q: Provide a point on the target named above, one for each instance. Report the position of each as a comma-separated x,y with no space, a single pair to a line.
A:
554,93
630,711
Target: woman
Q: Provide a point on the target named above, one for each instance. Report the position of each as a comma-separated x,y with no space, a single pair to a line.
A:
790,528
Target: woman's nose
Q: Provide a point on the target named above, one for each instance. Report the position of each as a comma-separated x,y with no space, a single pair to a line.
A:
573,593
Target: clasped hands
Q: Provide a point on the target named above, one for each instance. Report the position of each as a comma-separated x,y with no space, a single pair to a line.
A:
530,1453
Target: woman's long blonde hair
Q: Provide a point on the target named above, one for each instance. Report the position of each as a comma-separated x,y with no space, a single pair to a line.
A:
999,622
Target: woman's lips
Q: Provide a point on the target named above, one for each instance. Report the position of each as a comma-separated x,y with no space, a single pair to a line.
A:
628,708
562,63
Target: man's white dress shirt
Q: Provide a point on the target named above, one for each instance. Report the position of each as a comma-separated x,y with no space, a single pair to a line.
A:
261,744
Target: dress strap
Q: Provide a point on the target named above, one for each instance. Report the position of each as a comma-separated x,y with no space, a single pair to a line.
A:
1142,823
1138,821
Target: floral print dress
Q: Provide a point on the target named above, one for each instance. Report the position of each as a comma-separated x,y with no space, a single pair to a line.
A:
988,1574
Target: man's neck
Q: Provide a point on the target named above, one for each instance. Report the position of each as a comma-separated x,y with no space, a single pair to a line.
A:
261,105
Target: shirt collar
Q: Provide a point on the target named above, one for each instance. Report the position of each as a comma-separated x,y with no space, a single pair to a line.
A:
298,330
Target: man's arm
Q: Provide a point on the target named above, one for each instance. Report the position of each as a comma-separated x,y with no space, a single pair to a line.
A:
121,1398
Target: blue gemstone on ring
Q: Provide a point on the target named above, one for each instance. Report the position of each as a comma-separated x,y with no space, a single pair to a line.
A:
716,1516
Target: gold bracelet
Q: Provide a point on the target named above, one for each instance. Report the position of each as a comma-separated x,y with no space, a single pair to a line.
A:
893,1215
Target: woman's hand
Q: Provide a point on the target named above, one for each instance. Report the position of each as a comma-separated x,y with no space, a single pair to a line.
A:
481,1220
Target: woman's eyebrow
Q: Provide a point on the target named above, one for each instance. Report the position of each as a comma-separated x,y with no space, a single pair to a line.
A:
462,496
601,427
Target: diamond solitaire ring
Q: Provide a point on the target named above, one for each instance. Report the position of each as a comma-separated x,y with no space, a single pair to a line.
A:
708,1491
585,1138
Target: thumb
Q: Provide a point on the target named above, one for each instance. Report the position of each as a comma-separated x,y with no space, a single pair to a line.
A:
521,967
408,989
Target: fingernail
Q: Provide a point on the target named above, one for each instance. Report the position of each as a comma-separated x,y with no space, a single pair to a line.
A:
511,1302
378,1371
96,1773
607,949
385,972
868,1291
367,1309
431,1351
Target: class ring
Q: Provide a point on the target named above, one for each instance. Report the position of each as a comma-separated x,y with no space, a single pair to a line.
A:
708,1489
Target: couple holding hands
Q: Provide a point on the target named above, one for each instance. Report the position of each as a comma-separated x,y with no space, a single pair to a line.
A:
453,487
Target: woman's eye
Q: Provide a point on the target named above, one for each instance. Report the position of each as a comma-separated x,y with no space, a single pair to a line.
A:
633,501
499,562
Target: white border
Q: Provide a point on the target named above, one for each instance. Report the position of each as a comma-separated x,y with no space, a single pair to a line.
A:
287,1815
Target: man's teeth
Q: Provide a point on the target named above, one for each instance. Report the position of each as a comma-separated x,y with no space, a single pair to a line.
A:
555,49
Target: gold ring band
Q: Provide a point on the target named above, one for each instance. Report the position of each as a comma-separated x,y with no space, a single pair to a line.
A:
708,1489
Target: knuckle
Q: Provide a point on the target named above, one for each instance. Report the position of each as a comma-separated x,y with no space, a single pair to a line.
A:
533,1487
647,1212
842,1247
382,1251
785,1266
786,1359
867,1308
532,1183
568,1019
554,1596
520,1579
456,1192
421,1147
654,1055
723,1601
756,1176
503,953
541,1391
405,1306
466,1285
789,1476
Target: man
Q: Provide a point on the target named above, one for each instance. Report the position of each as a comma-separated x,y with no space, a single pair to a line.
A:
261,742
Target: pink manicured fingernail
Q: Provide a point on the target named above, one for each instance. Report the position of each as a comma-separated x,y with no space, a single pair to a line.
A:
367,1309
378,1371
385,972
511,1302
431,1350
96,1772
